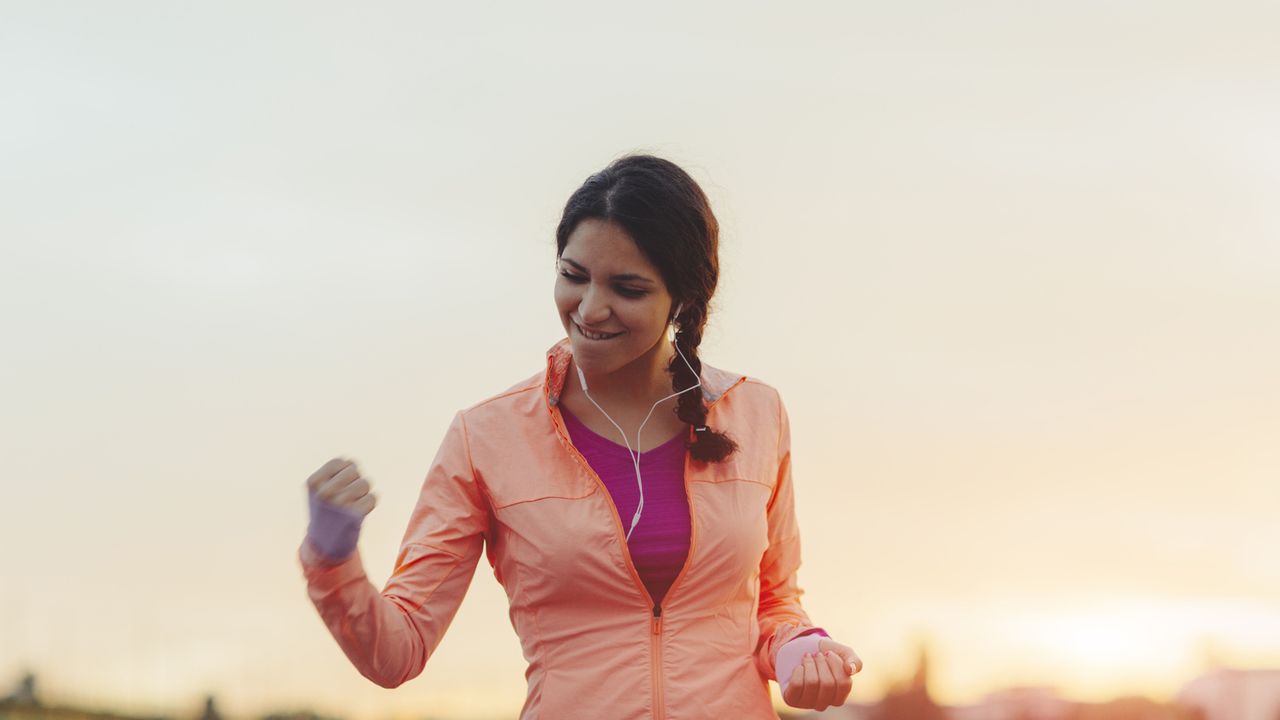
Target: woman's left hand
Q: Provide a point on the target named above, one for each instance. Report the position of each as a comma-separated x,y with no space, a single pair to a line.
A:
825,679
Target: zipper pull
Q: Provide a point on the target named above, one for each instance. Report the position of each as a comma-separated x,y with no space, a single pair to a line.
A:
657,619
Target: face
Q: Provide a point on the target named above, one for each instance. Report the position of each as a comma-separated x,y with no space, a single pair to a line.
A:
606,286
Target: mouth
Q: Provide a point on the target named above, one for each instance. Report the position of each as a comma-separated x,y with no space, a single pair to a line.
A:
595,336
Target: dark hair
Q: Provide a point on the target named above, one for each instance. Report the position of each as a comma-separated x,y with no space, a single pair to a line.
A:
668,216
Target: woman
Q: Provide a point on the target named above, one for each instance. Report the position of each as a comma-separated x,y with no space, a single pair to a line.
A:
649,578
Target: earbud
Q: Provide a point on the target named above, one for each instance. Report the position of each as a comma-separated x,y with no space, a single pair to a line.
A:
671,327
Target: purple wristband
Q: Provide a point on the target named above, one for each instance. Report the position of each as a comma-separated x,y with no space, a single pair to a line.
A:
333,530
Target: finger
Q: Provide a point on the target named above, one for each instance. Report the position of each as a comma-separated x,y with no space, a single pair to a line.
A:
365,504
326,471
330,488
330,471
809,691
826,682
843,681
353,492
853,664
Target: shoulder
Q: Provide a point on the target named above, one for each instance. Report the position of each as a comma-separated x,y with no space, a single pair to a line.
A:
748,407
746,391
525,392
763,389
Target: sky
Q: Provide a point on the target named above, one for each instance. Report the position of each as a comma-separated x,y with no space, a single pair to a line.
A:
1014,267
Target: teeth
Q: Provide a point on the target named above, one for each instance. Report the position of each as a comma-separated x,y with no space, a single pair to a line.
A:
596,337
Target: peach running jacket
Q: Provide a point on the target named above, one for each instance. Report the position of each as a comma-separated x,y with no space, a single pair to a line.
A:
507,481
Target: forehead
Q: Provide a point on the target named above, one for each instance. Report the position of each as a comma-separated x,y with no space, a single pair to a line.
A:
605,247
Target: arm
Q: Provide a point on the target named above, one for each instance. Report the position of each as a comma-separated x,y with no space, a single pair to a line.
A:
780,616
390,635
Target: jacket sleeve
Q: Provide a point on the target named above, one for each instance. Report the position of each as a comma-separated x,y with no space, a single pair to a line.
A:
780,616
390,635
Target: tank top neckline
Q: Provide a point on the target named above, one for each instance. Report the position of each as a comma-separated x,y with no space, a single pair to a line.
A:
570,417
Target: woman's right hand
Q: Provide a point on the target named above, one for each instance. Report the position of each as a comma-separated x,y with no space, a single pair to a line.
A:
339,500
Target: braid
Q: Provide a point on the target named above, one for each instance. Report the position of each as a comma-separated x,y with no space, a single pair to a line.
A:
707,445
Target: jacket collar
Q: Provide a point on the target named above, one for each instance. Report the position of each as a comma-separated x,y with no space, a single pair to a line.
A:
714,381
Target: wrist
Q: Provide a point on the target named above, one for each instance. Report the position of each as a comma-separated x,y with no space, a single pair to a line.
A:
333,530
792,653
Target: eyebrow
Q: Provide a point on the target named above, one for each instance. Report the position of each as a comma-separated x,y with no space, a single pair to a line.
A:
623,276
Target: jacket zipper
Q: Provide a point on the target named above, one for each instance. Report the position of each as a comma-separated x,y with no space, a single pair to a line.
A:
659,706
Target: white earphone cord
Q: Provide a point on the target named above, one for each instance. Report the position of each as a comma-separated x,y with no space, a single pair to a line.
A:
635,456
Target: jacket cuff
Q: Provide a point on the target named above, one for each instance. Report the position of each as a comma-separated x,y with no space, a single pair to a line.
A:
811,631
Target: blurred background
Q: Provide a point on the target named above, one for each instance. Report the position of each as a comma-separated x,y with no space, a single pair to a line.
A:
1014,267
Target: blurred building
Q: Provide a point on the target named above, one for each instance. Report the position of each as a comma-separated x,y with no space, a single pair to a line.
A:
1022,703
1227,694
1133,708
910,700
210,709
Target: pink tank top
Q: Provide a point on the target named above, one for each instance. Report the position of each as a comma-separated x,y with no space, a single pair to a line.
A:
660,542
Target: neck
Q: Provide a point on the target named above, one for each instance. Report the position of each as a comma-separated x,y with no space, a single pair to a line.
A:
642,381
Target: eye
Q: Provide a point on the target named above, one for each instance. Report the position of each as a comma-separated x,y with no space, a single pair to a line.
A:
624,291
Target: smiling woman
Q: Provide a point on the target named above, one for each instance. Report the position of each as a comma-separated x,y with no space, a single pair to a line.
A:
691,611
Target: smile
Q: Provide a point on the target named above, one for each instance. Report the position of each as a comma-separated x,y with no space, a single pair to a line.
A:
594,336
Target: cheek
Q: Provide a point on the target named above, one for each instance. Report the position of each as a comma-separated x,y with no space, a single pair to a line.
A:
563,296
643,321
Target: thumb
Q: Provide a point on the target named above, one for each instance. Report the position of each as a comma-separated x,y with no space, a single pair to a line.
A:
852,663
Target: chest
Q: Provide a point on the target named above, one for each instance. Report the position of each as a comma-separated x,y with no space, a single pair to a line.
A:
559,540
662,425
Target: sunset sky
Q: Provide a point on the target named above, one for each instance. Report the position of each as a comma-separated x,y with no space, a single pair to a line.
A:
1014,267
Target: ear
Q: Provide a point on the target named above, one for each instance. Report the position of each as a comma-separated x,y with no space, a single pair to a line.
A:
671,324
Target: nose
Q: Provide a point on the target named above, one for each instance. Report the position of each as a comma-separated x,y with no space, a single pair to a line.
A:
593,308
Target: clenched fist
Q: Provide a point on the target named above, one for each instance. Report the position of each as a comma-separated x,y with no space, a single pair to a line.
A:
815,672
339,500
